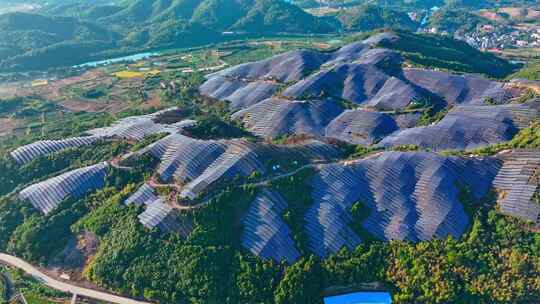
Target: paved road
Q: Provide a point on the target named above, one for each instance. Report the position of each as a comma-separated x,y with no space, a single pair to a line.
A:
62,286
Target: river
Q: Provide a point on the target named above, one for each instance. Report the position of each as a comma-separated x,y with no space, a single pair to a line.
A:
134,57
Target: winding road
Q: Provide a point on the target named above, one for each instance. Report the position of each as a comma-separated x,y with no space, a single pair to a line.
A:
62,286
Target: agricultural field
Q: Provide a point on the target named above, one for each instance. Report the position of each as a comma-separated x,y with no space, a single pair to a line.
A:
142,84
516,14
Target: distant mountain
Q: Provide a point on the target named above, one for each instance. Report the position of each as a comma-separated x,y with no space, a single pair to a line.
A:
39,41
87,28
369,17
489,3
456,20
408,4
69,32
218,15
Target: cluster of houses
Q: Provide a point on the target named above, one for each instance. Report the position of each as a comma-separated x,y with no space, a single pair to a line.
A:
502,37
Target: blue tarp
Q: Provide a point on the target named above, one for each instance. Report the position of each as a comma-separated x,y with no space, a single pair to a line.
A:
360,298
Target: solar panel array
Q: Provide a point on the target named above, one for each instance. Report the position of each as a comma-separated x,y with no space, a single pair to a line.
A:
327,221
47,195
351,73
240,159
40,148
312,150
468,127
138,127
458,89
197,164
133,127
355,82
184,158
265,233
154,214
395,94
287,67
374,79
361,127
145,195
275,117
156,211
240,94
519,180
411,196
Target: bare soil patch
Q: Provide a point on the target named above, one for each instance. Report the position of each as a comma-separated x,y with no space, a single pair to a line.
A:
92,107
153,101
7,125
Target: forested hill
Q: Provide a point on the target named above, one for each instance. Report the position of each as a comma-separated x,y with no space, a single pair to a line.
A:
66,32
369,17
31,41
414,3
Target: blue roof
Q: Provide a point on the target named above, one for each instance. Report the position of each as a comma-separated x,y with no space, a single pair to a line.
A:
360,298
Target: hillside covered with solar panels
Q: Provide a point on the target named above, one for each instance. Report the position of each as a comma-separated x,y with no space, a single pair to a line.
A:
343,162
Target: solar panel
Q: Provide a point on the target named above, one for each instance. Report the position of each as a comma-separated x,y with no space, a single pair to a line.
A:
47,195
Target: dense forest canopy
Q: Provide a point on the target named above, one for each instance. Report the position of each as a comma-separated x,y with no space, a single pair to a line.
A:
71,32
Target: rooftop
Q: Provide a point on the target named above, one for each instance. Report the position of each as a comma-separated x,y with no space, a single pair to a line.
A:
371,297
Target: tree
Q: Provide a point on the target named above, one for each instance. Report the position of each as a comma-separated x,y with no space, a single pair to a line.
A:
301,283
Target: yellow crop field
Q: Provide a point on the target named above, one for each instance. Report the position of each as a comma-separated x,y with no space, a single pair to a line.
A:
139,64
128,74
136,74
39,83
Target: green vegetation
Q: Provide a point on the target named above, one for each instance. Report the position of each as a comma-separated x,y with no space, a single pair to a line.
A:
370,17
297,192
39,238
528,95
82,32
358,151
454,20
301,283
442,52
201,269
450,270
12,214
406,148
75,33
25,107
4,288
528,138
15,175
359,213
430,116
94,93
495,261
213,127
531,72
33,290
36,41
